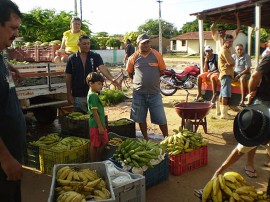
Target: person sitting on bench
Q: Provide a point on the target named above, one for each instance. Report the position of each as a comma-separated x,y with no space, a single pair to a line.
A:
210,72
241,70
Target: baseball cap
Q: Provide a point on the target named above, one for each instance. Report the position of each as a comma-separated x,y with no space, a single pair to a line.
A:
143,38
207,48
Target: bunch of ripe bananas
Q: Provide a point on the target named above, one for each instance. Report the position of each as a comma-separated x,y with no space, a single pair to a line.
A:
116,141
231,187
69,143
46,141
182,141
75,184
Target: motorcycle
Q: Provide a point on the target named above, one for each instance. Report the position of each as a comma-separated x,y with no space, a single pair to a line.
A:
172,80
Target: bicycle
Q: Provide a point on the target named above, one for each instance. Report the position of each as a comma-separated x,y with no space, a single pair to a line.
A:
124,81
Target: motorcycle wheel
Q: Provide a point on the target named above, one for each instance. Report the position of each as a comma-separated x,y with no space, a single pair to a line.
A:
165,88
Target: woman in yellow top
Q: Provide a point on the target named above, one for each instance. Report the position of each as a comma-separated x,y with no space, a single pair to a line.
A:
69,40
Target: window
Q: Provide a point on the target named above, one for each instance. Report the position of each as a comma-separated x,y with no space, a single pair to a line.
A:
184,42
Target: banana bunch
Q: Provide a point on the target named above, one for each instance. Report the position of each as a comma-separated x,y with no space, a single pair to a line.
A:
116,141
138,153
71,196
231,187
46,141
119,122
182,141
69,143
77,116
85,182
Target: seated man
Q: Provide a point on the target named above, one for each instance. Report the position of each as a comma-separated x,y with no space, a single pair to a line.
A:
241,70
210,72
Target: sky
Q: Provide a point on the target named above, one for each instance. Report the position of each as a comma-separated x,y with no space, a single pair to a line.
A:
124,16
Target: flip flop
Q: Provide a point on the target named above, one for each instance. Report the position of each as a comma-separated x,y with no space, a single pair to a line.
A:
250,173
242,105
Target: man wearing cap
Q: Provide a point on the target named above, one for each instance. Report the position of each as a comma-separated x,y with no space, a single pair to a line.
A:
218,35
145,67
211,73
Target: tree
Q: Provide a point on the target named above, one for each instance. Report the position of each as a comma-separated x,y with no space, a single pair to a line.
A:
113,42
47,25
151,27
132,36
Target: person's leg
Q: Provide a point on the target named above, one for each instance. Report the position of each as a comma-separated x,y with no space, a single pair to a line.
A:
157,112
249,168
200,79
199,84
164,129
143,128
139,111
103,144
243,84
225,92
214,80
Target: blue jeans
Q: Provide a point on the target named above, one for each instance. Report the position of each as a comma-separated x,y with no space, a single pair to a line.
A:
140,105
226,88
80,104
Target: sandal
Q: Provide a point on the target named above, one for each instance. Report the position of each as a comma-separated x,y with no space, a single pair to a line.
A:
266,164
250,173
242,105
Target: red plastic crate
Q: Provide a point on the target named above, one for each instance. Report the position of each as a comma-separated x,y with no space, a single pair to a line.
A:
182,163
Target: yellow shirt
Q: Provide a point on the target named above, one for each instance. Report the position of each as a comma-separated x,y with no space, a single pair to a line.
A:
225,63
72,41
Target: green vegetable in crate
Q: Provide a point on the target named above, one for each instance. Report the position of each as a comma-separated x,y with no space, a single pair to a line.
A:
47,141
138,153
85,182
183,141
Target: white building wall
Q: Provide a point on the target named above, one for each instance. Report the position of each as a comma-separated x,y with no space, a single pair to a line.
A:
111,56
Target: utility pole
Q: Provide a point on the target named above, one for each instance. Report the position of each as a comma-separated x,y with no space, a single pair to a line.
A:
160,29
75,8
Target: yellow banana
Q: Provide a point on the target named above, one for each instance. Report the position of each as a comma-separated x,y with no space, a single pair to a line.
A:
76,176
70,175
64,174
230,178
236,175
219,195
100,194
245,189
207,190
106,192
236,196
61,170
247,198
231,185
216,186
93,183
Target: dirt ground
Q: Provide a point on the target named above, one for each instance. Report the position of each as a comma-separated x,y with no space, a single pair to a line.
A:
36,186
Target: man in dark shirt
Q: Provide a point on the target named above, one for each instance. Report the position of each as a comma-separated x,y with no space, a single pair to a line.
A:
129,50
79,65
12,122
